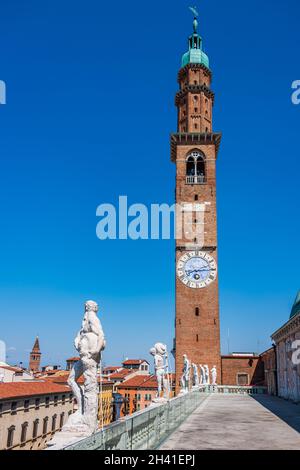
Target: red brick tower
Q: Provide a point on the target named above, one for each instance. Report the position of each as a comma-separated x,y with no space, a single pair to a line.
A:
35,356
194,151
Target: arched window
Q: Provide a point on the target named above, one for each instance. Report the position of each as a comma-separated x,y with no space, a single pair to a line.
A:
190,167
195,168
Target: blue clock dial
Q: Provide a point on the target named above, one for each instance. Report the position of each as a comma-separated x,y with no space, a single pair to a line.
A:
196,269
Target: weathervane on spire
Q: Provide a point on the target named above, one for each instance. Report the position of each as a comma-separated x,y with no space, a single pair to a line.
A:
196,14
194,11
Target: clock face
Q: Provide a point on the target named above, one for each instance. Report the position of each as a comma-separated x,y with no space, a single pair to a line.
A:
197,269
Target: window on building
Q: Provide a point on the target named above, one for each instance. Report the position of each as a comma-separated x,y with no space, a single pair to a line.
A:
55,400
35,428
196,197
53,422
24,432
63,399
47,402
45,425
196,125
195,168
26,405
14,407
37,403
61,420
197,311
10,436
197,338
242,380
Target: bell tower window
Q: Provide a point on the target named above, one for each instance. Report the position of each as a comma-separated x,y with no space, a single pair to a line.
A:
195,168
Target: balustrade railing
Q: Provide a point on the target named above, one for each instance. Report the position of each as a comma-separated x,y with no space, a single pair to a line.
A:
148,428
145,429
195,180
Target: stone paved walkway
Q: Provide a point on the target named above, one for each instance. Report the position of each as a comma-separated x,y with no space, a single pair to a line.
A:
239,422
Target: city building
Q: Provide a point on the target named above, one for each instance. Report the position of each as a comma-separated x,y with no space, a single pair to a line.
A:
138,393
31,413
107,371
35,357
287,343
136,364
194,150
14,374
270,370
71,361
105,398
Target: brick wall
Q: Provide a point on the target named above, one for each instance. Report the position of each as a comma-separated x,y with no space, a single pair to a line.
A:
249,368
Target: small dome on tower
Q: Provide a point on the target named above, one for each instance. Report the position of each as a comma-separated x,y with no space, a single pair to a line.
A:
296,306
195,54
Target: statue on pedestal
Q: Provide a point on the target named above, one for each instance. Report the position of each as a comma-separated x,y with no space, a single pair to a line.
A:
202,375
160,354
195,376
89,342
207,379
185,378
214,375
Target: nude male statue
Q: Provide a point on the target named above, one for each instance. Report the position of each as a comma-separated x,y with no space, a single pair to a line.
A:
89,342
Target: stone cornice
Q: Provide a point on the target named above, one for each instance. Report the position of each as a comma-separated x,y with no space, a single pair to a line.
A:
194,89
184,70
188,138
288,328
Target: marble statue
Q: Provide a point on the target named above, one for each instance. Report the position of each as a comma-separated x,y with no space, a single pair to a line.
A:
214,375
195,376
202,375
207,379
89,342
185,378
160,354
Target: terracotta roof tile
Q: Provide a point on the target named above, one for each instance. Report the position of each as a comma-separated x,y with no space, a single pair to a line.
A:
142,381
121,374
26,389
134,362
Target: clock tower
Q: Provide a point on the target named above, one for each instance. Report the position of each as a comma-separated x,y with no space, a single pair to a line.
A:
194,150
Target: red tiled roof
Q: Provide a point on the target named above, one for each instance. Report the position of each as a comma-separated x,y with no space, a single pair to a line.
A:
121,374
112,368
27,389
63,379
140,381
134,362
73,359
14,369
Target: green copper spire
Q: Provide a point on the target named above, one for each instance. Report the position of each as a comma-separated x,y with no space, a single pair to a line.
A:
195,54
296,306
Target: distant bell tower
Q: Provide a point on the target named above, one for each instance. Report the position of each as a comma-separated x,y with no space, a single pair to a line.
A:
194,150
35,356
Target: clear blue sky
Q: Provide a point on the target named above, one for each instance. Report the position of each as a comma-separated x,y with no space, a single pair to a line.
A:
90,105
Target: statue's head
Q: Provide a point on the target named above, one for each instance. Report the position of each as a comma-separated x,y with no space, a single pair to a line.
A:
91,306
160,348
152,351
